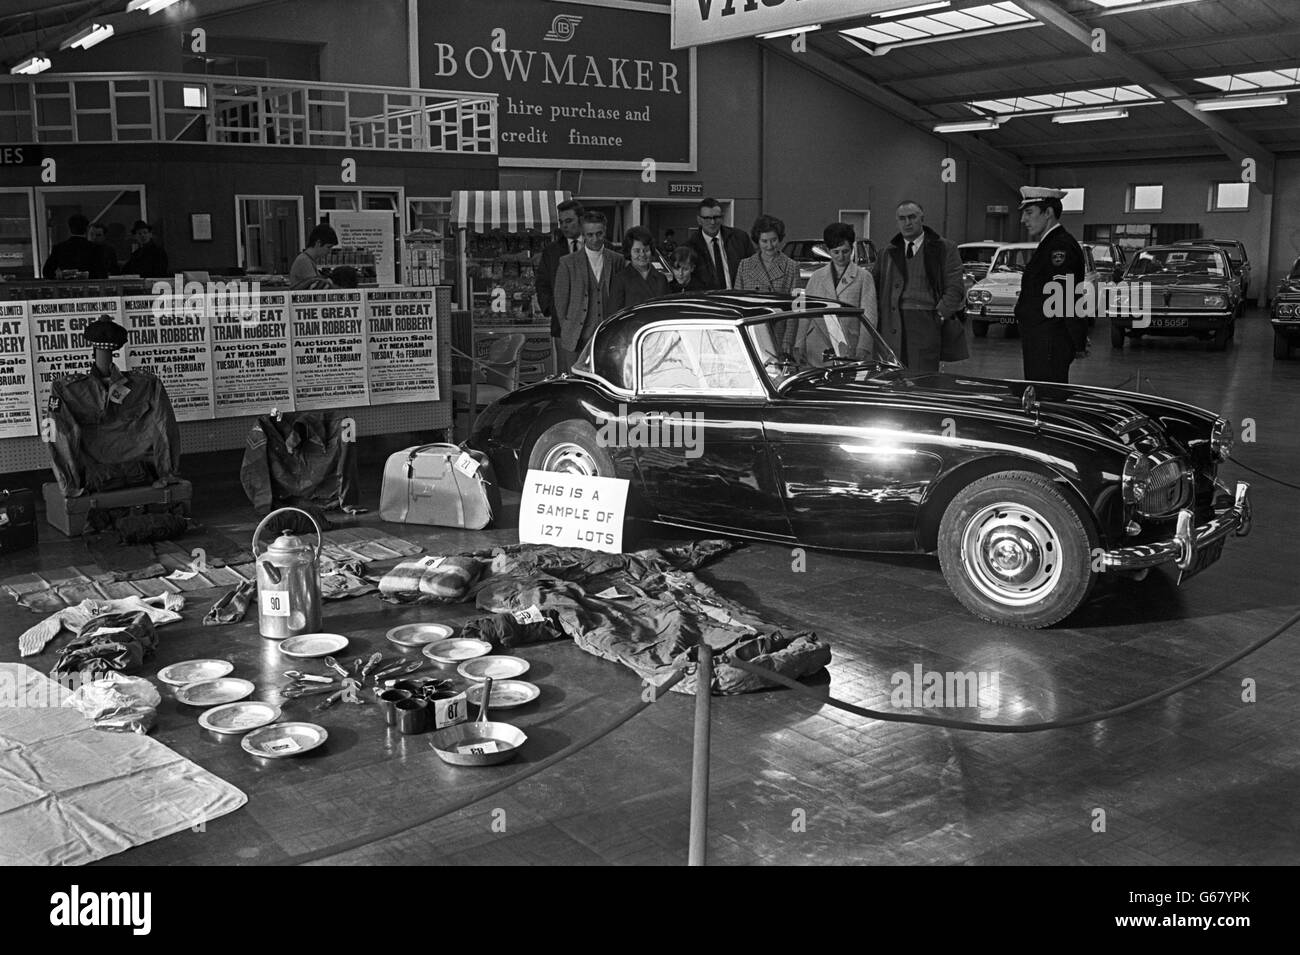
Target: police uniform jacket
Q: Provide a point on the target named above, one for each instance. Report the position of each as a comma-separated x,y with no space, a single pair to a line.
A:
1058,255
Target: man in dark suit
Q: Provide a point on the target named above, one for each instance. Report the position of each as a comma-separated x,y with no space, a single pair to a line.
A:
582,288
1049,341
98,236
718,248
76,253
570,218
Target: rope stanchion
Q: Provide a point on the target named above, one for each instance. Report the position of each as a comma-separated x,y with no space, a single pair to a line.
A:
1012,727
700,759
648,699
1266,477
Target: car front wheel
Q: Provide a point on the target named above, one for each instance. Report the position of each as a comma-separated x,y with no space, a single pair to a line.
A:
1016,551
572,447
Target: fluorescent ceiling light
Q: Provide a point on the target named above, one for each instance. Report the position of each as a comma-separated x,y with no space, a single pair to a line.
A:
1241,102
149,6
36,63
1091,115
795,32
968,126
1115,3
94,33
919,8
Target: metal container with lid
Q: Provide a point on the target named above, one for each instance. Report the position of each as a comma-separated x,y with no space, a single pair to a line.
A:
288,582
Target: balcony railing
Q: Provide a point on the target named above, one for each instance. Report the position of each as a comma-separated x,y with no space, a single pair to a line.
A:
242,111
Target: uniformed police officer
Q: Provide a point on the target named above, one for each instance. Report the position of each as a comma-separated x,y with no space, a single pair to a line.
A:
1050,337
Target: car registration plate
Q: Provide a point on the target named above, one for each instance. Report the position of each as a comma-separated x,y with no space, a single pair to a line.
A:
1168,321
1200,560
1007,319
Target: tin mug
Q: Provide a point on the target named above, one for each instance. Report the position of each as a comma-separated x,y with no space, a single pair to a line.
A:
390,699
446,708
412,716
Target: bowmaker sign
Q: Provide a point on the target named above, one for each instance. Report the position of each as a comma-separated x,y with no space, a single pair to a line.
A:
696,22
577,84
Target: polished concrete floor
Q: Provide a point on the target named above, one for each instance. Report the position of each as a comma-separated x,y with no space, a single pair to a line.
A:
1202,777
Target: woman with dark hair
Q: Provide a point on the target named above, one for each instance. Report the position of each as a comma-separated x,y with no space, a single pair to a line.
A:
686,277
769,269
843,280
637,281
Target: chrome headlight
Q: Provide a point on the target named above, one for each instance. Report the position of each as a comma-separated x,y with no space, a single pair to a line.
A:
1285,310
979,296
1136,478
1214,301
1221,437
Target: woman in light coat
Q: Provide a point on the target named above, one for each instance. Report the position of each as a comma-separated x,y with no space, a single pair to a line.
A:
844,281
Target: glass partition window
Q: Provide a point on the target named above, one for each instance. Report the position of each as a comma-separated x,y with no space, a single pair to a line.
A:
17,251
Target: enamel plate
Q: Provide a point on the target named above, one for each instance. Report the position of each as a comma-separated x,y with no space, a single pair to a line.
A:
227,689
311,645
235,718
419,634
456,649
194,671
284,739
506,694
498,668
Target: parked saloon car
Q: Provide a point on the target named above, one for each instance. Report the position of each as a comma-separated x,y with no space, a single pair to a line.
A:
1286,313
993,298
1187,289
1110,259
976,257
1236,250
811,255
733,413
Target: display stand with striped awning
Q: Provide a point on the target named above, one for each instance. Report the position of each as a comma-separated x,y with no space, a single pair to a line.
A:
510,210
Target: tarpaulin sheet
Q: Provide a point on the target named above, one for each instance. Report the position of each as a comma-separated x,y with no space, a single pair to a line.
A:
71,794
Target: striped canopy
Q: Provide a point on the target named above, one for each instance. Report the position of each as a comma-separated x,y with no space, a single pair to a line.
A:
511,210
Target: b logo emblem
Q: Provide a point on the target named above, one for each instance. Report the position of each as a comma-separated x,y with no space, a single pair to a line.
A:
562,28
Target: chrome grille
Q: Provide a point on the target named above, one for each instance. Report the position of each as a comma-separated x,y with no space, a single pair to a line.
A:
1167,491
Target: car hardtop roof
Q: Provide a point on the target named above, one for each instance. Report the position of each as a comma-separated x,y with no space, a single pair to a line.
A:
730,305
992,242
1182,246
1208,242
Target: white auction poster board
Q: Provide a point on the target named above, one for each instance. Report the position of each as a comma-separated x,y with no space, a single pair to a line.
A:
403,345
329,350
168,336
58,348
573,510
17,409
371,230
252,357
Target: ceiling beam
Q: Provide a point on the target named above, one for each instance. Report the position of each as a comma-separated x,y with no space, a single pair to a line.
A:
1235,144
1006,167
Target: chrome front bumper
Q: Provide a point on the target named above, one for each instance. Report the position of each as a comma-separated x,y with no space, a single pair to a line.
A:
1187,540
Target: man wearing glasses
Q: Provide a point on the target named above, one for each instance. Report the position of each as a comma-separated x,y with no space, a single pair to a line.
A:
718,248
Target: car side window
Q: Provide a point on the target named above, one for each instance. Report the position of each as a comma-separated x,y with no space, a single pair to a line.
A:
696,359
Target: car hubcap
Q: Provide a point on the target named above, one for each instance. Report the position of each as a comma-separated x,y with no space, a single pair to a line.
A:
1012,554
570,458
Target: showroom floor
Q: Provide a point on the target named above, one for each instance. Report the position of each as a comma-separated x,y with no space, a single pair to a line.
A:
1199,778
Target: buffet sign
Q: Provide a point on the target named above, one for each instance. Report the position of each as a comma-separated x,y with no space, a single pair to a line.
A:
252,357
329,350
17,409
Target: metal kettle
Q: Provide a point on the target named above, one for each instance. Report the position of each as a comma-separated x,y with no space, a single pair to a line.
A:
288,582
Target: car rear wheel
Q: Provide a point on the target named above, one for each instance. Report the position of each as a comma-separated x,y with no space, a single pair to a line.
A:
1016,551
572,447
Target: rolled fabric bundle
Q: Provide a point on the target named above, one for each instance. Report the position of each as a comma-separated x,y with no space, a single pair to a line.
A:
450,578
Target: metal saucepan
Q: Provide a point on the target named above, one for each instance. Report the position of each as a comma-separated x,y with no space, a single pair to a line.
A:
466,744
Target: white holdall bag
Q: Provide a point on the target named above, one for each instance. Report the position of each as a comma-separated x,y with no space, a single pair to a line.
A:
439,484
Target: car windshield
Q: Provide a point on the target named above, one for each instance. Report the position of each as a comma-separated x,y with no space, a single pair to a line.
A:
1102,253
789,345
979,253
801,250
1179,262
1011,260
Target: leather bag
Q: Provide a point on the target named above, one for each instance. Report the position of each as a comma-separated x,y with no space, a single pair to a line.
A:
423,485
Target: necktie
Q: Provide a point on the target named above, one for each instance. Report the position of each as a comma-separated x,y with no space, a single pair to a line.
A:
911,249
718,267
574,243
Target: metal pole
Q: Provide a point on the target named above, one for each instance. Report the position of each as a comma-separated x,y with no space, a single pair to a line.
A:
700,767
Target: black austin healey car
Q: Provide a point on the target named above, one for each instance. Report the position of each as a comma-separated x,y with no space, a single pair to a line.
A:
790,420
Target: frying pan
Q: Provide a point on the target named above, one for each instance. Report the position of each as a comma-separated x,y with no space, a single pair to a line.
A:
457,744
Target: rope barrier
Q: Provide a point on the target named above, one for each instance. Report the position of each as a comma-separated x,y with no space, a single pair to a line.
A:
1017,727
1266,477
371,838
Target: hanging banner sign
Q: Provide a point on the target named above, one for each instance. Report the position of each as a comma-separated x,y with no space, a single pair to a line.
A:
329,350
401,329
58,348
17,412
170,339
252,358
696,22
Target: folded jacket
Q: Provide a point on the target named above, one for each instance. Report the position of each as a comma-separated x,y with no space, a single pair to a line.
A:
161,609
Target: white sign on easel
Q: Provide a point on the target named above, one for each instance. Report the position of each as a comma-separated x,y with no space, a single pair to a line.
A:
573,510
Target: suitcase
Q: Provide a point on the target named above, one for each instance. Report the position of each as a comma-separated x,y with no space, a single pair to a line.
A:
423,485
17,520
69,514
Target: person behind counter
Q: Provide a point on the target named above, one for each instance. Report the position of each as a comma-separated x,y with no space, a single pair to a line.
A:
98,235
148,261
305,269
76,253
